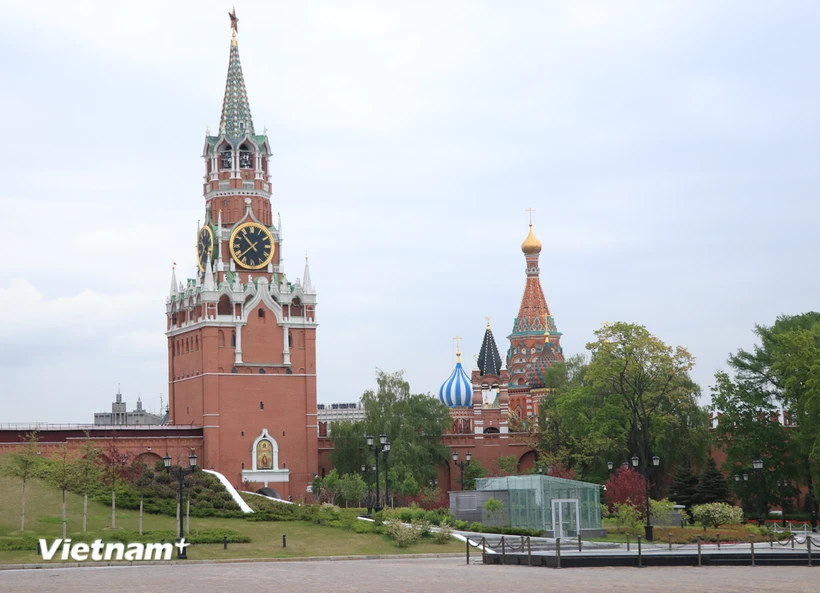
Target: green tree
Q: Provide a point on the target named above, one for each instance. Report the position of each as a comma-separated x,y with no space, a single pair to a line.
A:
60,473
684,487
25,462
409,486
712,485
332,485
494,507
413,422
749,429
88,471
644,386
143,478
472,470
572,427
352,488
783,370
316,487
349,449
506,465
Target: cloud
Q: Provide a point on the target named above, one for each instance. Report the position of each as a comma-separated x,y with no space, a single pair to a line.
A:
666,147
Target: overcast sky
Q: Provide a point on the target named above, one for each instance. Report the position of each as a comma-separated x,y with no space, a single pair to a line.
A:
669,148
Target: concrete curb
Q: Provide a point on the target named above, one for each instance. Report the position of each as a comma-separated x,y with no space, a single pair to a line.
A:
224,561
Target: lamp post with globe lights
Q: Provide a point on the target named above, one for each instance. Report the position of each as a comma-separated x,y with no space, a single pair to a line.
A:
181,473
757,464
655,462
384,446
462,464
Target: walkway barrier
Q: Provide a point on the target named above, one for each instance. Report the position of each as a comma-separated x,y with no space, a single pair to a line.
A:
555,553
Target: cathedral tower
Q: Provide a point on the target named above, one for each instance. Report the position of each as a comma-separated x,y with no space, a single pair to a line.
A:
535,343
241,335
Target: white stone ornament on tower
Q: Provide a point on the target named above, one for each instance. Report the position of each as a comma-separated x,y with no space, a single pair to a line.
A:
208,285
307,284
174,290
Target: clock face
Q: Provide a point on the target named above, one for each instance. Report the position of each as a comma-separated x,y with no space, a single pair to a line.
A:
252,246
204,247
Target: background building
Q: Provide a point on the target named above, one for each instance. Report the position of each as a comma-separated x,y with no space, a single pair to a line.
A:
327,414
118,414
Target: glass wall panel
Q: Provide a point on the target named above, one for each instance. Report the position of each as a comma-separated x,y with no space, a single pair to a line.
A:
531,499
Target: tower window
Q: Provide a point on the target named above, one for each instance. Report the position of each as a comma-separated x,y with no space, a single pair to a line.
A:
245,160
233,339
261,405
234,370
261,313
290,339
226,159
261,371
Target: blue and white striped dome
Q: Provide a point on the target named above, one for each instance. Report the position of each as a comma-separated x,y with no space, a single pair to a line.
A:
456,391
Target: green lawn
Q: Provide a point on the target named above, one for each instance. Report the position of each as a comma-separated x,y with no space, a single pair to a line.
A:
303,539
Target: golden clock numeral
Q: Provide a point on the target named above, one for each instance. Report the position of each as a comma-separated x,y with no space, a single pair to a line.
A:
244,260
237,246
253,230
266,254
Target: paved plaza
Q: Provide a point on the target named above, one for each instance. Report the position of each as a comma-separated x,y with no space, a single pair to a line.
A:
405,576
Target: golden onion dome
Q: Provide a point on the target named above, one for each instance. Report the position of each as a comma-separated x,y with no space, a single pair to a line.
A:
531,245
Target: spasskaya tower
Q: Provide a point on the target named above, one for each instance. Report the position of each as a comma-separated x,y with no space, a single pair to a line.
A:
241,335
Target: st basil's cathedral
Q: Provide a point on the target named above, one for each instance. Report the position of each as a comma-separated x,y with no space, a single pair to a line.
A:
495,391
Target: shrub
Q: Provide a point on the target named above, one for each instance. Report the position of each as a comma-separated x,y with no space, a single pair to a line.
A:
422,526
715,514
18,543
443,535
493,507
627,517
432,517
461,525
364,527
476,526
403,536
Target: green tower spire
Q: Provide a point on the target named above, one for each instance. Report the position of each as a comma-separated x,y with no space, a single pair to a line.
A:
236,118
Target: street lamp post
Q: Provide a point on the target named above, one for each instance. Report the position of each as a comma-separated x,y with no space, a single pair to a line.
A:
384,446
367,499
386,452
782,492
655,461
181,473
462,464
757,464
609,465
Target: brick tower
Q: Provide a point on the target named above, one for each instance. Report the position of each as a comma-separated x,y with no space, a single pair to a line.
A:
241,336
535,343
